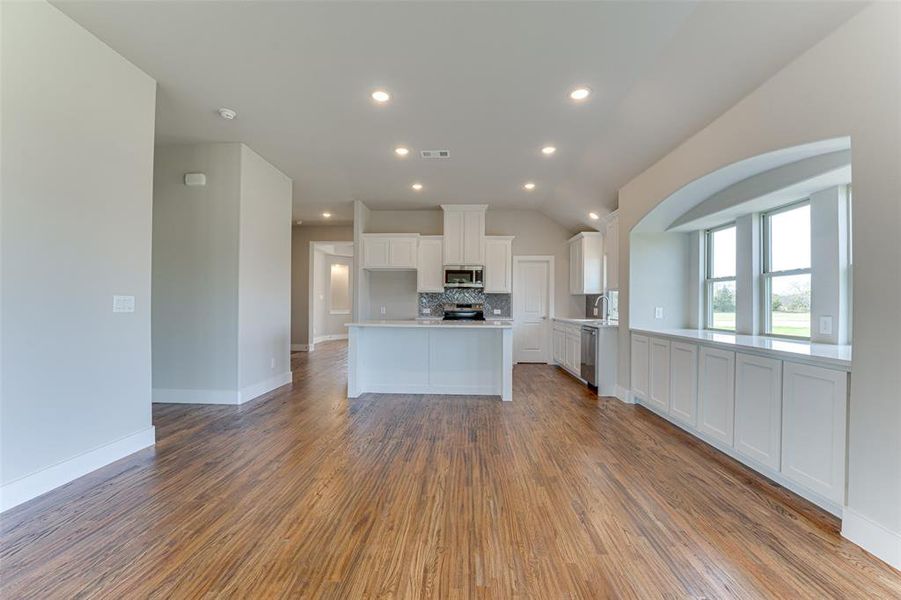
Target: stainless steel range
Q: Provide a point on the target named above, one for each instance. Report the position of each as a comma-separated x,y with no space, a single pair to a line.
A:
464,312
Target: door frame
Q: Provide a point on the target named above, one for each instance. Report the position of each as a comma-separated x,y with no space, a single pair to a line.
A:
314,245
548,328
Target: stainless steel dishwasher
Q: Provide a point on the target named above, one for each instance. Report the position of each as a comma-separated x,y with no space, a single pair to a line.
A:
589,370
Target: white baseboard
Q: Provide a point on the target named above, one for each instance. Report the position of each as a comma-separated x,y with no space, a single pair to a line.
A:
329,338
178,396
624,395
876,539
300,348
267,385
31,486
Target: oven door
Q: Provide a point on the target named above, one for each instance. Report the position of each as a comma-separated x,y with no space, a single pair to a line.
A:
462,277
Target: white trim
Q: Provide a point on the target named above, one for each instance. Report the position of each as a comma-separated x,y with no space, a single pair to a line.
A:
256,390
329,338
624,395
38,483
188,396
300,348
414,388
881,542
551,293
761,469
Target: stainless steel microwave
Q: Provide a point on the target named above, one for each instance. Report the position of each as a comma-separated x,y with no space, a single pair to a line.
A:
463,276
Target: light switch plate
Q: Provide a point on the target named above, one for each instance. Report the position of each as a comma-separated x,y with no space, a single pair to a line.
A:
826,325
426,311
658,312
123,304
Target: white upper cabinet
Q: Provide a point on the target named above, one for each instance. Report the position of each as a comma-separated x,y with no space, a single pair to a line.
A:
586,263
498,264
464,234
430,266
758,408
390,251
611,253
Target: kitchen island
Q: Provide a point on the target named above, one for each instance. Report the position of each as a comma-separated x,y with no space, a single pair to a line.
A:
430,356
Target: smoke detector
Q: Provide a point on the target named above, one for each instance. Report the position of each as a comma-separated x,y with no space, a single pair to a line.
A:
227,114
435,154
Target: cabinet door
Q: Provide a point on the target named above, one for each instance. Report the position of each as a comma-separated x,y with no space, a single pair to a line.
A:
758,408
716,393
658,375
683,386
814,413
575,267
559,343
375,252
429,272
453,237
639,363
593,264
473,237
573,352
498,267
611,251
402,252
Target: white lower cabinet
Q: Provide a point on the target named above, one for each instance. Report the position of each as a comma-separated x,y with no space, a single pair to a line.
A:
716,393
658,374
683,383
758,408
559,346
574,352
814,415
639,366
568,347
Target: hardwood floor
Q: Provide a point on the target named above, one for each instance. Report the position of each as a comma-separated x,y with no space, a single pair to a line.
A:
306,494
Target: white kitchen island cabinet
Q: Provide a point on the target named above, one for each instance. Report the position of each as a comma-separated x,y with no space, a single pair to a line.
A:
430,357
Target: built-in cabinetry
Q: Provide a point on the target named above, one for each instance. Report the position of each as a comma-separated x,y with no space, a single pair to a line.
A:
498,271
783,418
464,234
568,347
586,263
430,266
390,250
611,252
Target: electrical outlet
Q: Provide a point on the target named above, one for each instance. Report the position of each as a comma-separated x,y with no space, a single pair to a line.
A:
123,304
826,325
382,310
658,312
497,311
426,311
594,311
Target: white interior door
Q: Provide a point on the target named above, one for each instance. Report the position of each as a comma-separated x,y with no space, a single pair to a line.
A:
531,309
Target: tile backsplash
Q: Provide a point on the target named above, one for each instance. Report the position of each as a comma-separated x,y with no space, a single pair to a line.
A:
434,302
612,305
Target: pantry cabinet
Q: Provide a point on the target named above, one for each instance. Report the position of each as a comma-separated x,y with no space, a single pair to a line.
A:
498,264
586,263
390,251
429,265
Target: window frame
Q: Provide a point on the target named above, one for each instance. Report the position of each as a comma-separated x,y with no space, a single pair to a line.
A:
709,281
767,275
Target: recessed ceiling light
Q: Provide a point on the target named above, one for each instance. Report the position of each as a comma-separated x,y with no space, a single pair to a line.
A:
327,215
548,150
298,222
227,114
381,96
401,151
416,186
529,186
580,93
594,216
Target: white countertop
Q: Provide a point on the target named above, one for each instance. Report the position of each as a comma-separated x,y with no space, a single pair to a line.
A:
592,322
436,323
827,354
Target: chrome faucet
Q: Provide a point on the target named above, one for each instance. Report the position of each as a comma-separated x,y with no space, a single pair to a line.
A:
606,306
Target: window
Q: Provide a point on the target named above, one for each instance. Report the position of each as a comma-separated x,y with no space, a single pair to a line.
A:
786,271
720,281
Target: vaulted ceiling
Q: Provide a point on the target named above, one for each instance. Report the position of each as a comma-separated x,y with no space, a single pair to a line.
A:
488,81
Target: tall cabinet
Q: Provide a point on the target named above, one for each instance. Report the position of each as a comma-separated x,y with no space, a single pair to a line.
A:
464,234
586,263
498,264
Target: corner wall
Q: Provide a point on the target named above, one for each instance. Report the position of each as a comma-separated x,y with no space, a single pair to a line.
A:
848,84
76,223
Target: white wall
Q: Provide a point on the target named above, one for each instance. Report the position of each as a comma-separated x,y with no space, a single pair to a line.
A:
221,275
324,322
77,148
301,236
661,268
264,297
848,84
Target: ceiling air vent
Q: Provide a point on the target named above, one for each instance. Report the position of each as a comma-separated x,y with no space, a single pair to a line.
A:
435,154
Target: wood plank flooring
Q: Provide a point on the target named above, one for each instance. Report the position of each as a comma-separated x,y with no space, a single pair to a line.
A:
306,494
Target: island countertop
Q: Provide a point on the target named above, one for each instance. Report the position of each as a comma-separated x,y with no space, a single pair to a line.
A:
434,323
